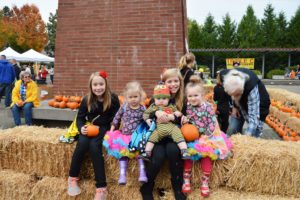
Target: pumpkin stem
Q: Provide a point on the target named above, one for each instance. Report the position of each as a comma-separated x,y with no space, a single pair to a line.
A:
95,119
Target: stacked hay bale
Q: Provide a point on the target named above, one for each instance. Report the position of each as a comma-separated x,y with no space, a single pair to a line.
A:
41,163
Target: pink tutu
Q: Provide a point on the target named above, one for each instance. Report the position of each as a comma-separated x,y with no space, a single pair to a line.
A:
217,146
116,144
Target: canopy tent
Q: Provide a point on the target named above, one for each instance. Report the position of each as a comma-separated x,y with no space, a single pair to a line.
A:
35,56
12,54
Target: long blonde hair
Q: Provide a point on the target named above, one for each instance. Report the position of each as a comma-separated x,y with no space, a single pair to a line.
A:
179,96
92,98
188,58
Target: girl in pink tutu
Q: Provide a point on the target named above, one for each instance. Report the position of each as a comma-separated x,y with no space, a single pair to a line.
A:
212,144
129,116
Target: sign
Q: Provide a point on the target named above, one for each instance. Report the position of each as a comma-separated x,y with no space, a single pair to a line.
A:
244,62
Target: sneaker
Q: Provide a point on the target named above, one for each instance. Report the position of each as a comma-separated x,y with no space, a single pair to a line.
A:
73,188
185,154
69,140
204,189
146,156
101,194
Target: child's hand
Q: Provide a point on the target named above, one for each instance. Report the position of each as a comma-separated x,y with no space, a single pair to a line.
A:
171,117
112,128
20,103
149,122
177,114
84,130
184,120
162,117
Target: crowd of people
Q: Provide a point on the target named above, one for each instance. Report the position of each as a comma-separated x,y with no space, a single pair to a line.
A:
177,100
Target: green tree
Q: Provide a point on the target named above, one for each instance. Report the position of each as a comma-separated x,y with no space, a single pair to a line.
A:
282,39
209,33
294,30
269,27
51,30
248,32
227,33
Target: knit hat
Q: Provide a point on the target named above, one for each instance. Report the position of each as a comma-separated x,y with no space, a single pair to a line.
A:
161,91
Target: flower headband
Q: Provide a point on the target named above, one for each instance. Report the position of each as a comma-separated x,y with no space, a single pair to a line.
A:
103,74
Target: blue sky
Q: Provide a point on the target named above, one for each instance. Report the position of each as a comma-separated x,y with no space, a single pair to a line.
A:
197,9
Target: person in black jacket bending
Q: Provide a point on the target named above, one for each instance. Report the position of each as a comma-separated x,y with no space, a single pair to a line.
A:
251,101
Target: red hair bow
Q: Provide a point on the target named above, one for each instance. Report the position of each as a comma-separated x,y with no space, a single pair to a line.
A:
103,74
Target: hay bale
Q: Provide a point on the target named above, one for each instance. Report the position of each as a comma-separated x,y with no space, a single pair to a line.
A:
294,123
15,185
264,166
285,97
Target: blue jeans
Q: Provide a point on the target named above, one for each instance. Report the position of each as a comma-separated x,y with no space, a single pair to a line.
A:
236,126
6,89
27,109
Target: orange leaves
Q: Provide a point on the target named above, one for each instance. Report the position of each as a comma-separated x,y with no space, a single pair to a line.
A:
25,29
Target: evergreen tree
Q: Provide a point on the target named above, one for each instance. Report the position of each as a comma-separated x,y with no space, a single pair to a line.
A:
194,34
282,40
51,30
294,30
227,33
269,28
248,32
209,33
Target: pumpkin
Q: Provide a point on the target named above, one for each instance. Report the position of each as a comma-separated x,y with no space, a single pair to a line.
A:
51,102
190,132
121,99
58,98
21,103
65,99
92,130
147,102
78,99
72,105
62,104
56,104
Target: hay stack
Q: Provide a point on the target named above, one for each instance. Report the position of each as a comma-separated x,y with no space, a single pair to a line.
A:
264,166
294,123
285,96
15,185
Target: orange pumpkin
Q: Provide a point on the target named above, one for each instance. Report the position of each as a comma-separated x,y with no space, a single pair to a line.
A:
190,132
72,105
92,130
147,102
56,104
65,99
51,103
58,98
121,99
62,104
78,99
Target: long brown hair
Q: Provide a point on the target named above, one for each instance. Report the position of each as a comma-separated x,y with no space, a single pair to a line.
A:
179,96
186,60
92,98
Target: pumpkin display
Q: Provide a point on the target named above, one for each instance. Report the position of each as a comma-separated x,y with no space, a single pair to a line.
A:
58,98
92,130
51,103
190,132
62,104
56,104
65,99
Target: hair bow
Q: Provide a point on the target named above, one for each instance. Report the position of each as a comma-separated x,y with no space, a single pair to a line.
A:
103,74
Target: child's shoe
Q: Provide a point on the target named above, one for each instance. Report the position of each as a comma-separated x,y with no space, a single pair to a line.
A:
73,188
186,186
101,194
69,140
185,154
146,156
204,186
142,177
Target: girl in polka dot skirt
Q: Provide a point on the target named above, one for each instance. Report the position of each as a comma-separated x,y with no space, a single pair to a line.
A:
129,116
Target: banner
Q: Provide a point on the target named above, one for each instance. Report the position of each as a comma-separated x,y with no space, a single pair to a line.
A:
244,62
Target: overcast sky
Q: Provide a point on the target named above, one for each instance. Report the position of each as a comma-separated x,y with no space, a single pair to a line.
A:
197,9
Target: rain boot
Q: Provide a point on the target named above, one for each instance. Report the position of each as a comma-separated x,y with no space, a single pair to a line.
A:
204,188
142,177
187,171
123,168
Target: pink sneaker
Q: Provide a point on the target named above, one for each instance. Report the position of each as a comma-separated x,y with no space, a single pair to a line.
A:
73,188
101,194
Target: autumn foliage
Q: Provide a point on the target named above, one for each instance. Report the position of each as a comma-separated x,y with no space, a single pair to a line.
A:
23,29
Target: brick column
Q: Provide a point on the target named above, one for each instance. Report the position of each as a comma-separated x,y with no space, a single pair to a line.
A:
130,39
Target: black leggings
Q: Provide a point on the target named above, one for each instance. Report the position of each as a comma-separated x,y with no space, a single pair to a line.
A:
163,150
93,145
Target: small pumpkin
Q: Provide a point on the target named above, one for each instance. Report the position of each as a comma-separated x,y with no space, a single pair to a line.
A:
58,98
56,104
92,130
78,99
65,99
51,102
62,104
190,132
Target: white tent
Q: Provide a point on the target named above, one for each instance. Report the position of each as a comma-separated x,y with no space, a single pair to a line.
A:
12,54
35,56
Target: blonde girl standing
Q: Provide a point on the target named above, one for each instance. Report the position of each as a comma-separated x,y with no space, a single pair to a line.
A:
130,115
186,66
101,106
212,144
